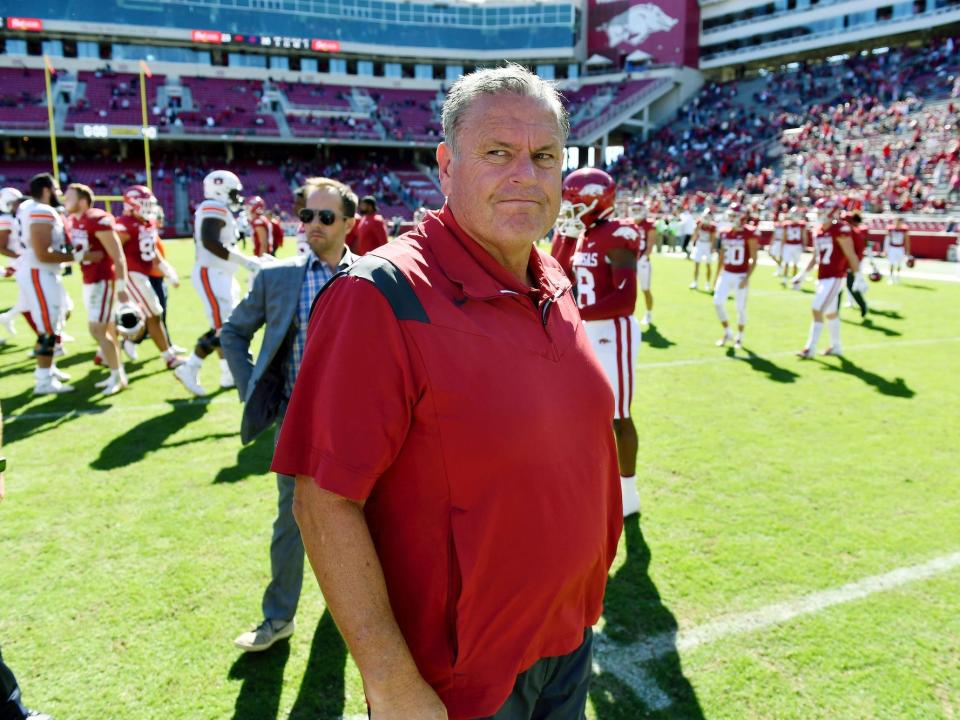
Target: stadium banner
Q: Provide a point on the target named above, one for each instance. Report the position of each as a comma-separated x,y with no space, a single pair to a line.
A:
668,31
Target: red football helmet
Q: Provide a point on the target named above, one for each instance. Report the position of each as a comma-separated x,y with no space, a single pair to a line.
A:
911,262
140,200
589,195
255,206
875,275
828,209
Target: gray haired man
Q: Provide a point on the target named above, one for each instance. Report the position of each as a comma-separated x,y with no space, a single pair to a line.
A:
280,299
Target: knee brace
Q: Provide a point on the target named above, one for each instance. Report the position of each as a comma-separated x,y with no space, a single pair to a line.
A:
209,341
46,344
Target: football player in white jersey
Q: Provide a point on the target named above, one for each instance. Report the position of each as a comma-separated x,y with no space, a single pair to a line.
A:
10,246
45,247
896,246
215,235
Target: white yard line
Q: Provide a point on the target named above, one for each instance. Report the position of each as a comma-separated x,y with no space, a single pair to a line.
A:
114,410
627,661
721,358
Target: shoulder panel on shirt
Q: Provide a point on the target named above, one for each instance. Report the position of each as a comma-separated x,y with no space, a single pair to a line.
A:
390,281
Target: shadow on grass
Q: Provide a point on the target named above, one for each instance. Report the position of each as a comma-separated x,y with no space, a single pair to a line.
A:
635,612
654,339
253,459
43,413
894,388
868,324
148,436
890,314
321,693
914,286
761,364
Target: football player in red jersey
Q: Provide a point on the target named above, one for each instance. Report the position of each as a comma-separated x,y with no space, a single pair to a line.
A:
372,231
259,226
97,248
833,252
648,237
859,237
794,240
138,232
604,266
735,265
704,243
896,246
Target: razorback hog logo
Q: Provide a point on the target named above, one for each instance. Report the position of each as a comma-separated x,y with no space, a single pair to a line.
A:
627,233
592,190
635,25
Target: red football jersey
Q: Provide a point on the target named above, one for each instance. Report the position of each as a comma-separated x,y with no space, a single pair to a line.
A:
83,234
793,232
708,232
735,247
140,247
896,236
592,268
830,258
645,228
261,221
859,241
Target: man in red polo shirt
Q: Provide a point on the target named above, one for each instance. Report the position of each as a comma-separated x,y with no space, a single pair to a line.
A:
459,535
371,228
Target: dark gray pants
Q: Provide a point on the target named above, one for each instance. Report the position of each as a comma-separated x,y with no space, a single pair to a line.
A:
10,706
554,688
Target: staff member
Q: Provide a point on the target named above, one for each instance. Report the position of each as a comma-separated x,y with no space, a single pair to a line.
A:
460,532
280,299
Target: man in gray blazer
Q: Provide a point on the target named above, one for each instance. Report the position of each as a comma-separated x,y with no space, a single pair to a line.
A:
280,299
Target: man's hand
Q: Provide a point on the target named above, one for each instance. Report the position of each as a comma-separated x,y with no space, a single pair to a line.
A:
859,282
744,282
91,256
798,279
415,700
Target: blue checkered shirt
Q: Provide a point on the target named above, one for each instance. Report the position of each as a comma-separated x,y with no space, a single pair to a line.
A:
315,276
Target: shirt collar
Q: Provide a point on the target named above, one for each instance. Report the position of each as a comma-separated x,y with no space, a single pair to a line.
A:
468,264
346,260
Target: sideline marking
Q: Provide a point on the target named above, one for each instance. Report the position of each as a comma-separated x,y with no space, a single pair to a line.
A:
626,661
114,409
723,358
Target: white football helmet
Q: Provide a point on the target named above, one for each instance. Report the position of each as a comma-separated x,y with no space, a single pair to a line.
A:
9,196
129,320
224,186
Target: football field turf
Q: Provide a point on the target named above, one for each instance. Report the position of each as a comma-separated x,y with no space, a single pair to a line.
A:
797,556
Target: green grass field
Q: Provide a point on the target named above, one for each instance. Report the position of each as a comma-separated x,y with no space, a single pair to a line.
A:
135,531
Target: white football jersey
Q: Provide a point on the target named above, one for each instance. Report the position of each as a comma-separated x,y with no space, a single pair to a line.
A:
33,213
9,223
228,234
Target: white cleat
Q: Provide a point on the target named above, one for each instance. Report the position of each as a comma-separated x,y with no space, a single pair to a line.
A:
694,286
130,348
631,498
59,350
67,337
648,319
804,354
177,350
727,337
59,374
833,352
738,343
114,385
103,383
187,375
174,362
7,321
226,379
51,386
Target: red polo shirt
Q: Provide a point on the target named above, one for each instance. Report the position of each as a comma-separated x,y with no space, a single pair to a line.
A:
371,234
479,435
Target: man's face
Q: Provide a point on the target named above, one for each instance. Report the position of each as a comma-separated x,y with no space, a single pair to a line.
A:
365,208
504,187
324,239
71,202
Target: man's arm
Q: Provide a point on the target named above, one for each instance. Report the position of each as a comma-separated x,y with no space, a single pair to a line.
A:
341,553
846,245
111,244
237,333
906,243
623,299
41,237
5,244
752,245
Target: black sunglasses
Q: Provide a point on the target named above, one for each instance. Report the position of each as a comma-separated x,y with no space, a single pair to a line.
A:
327,217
